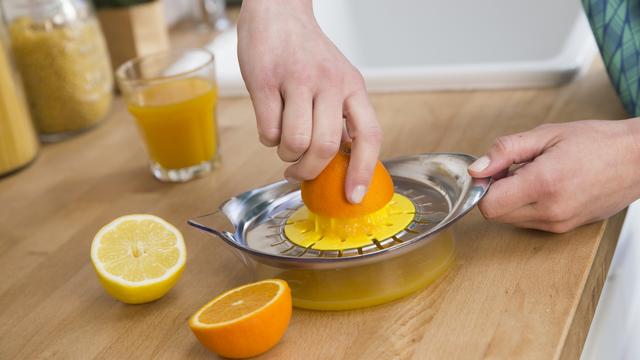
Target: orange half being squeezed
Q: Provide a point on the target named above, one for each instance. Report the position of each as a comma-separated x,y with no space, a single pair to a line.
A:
329,222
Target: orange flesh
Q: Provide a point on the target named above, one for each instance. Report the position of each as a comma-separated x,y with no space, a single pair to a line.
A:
239,303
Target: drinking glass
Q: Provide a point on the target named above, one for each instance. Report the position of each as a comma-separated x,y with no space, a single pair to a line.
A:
173,95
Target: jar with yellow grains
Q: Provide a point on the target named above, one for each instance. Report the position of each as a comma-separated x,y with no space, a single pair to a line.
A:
18,142
63,61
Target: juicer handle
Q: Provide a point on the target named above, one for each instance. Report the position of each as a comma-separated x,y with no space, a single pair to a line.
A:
478,189
199,223
219,217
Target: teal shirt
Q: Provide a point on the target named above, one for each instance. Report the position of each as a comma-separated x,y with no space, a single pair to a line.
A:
616,26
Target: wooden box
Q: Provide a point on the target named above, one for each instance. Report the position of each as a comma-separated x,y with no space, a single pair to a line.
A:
134,31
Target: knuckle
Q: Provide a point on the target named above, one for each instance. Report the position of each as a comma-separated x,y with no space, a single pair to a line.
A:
269,136
264,79
547,184
300,76
268,142
347,110
503,144
329,74
297,143
326,149
488,210
554,212
286,157
356,80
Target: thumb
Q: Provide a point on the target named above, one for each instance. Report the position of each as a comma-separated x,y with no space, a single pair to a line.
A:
512,149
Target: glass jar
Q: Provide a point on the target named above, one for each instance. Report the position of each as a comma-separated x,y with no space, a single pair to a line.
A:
18,142
62,57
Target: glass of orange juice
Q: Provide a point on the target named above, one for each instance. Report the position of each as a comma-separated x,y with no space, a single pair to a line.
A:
172,96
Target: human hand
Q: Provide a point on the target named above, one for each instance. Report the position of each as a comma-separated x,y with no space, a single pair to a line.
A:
565,175
303,89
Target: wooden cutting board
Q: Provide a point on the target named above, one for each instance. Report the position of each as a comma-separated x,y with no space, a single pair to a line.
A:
512,294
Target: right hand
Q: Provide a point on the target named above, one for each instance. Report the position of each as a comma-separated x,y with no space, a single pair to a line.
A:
303,89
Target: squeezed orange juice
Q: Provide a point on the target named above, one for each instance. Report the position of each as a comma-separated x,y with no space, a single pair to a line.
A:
177,120
369,284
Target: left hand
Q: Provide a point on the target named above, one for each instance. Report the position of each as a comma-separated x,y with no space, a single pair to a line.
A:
557,177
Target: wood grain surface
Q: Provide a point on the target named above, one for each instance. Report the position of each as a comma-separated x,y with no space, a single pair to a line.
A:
513,293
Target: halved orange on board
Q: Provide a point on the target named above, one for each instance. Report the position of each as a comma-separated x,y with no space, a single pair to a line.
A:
246,321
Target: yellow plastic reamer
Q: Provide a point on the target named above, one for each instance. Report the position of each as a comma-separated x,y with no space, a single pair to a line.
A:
314,231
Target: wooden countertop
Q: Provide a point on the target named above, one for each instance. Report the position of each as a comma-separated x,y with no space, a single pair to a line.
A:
513,293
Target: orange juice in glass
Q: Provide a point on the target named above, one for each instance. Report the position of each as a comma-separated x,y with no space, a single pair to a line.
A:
173,96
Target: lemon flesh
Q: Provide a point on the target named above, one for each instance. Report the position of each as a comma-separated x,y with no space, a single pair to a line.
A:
310,230
138,258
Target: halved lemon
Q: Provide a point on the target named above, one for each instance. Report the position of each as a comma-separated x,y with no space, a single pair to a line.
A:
138,258
246,321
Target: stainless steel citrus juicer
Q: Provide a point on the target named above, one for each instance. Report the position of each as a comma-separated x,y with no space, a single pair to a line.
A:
441,191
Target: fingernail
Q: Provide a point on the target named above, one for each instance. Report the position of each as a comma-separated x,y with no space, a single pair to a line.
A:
357,194
480,164
292,181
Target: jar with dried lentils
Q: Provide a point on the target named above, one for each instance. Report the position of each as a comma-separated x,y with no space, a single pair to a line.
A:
62,58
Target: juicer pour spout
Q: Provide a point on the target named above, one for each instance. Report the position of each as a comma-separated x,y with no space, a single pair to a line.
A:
209,223
200,223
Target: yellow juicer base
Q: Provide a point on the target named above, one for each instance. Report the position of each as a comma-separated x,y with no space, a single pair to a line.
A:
310,230
370,284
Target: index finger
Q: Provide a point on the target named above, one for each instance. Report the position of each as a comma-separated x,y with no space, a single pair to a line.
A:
508,194
366,136
267,104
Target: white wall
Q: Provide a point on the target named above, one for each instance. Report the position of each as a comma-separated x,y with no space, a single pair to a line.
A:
177,9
